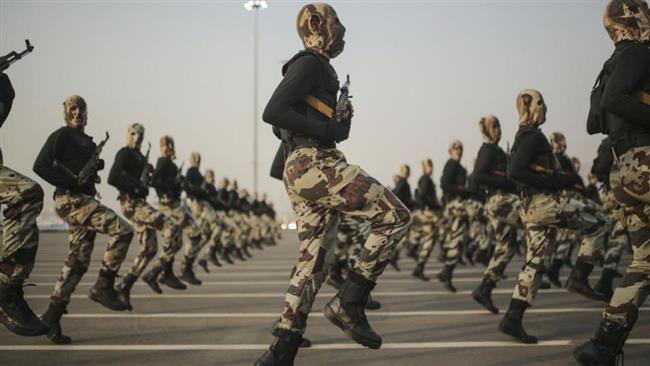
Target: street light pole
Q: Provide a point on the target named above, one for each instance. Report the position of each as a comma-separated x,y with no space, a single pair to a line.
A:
255,6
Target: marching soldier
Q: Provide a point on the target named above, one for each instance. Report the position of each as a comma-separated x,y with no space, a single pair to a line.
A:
321,184
130,175
63,162
429,216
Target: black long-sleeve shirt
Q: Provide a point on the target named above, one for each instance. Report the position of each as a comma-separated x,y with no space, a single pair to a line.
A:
126,171
233,200
453,181
223,195
490,169
602,165
165,179
629,68
70,148
403,191
426,196
307,73
193,184
532,147
7,95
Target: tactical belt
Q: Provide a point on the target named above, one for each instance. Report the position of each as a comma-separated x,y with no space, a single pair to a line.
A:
623,144
63,191
299,141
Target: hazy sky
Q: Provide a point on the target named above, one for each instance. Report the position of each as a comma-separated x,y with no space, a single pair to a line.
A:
422,73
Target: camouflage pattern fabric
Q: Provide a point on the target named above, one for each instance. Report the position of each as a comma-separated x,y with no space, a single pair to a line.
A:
502,210
184,225
328,36
618,239
23,201
206,219
627,20
321,184
146,220
631,188
478,232
457,230
429,220
86,217
541,215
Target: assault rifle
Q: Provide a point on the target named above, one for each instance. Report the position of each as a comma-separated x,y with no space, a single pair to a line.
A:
342,109
92,166
145,176
14,56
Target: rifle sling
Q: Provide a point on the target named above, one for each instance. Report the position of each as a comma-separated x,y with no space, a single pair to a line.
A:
319,106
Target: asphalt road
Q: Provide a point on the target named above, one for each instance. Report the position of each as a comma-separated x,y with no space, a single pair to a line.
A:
227,320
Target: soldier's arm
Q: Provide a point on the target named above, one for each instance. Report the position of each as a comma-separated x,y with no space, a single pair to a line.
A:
163,177
619,96
44,164
118,176
7,96
483,170
519,167
297,83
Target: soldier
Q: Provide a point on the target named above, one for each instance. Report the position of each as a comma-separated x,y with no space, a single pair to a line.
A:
429,216
453,183
65,153
402,190
194,185
227,236
23,201
127,172
214,244
167,179
502,207
321,184
546,206
624,92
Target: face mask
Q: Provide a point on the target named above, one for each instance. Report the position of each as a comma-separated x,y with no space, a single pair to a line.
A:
531,108
319,28
167,147
456,150
75,112
135,136
209,176
627,20
195,160
490,129
558,142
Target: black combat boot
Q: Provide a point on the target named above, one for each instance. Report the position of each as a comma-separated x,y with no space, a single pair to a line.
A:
413,251
124,289
346,310
239,254
469,255
52,318
335,278
605,347
605,283
225,255
151,277
578,281
511,323
203,263
188,274
418,272
445,277
372,304
212,256
282,351
306,343
553,272
104,293
247,252
394,258
168,278
16,315
483,295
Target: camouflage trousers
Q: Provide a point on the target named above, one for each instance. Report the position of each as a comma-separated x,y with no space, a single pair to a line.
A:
267,231
630,186
23,201
321,185
618,239
146,220
477,231
429,220
208,225
184,226
457,230
565,239
542,214
502,210
351,233
86,217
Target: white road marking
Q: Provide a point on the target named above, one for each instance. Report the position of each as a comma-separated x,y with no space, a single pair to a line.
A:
315,347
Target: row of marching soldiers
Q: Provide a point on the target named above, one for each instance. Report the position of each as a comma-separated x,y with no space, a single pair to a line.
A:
224,221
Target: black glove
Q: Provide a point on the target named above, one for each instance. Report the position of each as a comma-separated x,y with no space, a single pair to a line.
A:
337,131
100,164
